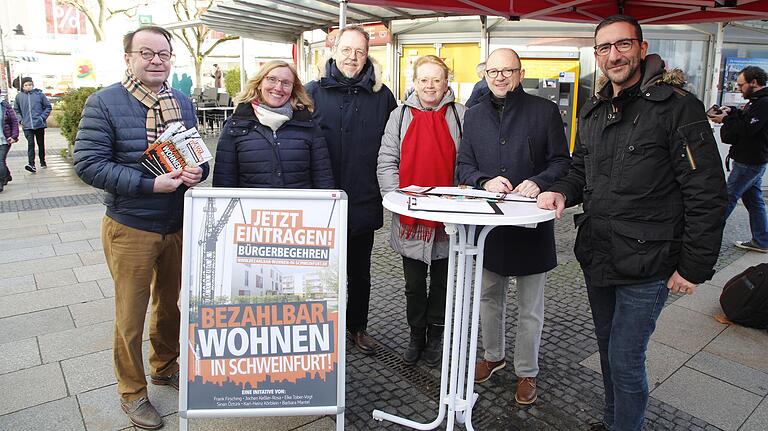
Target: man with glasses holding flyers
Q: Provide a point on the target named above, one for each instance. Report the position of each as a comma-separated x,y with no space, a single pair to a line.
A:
513,142
352,106
141,231
647,171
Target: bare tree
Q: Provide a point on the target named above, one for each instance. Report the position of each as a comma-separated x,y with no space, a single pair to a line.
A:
194,38
99,15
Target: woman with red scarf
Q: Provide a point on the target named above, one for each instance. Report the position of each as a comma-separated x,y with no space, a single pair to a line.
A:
419,148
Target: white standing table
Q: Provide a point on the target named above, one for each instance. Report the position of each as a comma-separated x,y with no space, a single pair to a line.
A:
458,368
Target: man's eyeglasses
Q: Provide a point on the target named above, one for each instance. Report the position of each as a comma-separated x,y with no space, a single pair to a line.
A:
493,73
274,81
622,45
347,52
148,54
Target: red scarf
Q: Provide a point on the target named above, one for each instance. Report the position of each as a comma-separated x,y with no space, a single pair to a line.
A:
427,158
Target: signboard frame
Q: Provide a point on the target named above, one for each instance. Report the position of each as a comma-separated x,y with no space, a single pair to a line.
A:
191,244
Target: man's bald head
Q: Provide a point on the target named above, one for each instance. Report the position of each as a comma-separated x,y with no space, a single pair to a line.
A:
503,55
505,64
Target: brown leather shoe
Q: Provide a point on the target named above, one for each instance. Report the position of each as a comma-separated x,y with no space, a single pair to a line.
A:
142,413
172,380
526,390
364,343
484,369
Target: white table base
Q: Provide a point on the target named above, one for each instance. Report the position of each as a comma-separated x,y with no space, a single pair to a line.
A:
457,387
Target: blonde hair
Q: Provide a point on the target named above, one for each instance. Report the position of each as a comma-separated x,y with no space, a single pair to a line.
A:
432,59
252,91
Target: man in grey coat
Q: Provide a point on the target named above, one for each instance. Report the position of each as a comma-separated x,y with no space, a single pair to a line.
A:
513,142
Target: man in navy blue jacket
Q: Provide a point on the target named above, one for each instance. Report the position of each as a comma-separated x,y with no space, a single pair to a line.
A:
32,109
141,231
352,106
513,142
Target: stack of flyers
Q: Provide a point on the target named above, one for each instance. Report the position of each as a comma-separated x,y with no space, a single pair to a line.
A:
175,148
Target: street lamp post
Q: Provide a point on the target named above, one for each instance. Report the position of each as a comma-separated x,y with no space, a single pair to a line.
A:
19,30
6,66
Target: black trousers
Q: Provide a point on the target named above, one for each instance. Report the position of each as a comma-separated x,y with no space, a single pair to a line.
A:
359,248
425,308
33,135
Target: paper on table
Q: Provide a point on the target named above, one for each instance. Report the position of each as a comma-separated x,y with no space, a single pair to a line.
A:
448,204
467,192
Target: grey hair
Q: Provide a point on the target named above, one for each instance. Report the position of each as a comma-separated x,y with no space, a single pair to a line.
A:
356,28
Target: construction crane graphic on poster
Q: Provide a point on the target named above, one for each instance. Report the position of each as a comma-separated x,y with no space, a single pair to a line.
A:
212,228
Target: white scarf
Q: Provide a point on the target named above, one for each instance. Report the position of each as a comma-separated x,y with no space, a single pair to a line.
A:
272,117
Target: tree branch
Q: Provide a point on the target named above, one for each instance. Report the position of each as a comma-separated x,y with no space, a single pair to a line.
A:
215,44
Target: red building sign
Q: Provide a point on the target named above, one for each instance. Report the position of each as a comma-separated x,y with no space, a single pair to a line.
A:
63,19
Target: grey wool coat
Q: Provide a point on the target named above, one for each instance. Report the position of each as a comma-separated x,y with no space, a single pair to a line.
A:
388,172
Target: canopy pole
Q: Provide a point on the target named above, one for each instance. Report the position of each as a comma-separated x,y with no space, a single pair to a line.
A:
243,74
713,90
301,61
343,13
483,38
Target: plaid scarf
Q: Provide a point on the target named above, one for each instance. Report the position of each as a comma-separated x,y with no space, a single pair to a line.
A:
163,108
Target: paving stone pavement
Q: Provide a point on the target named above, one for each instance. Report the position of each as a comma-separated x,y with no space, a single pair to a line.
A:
56,318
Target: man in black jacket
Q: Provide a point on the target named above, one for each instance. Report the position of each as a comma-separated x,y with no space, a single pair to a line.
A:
646,168
352,106
746,130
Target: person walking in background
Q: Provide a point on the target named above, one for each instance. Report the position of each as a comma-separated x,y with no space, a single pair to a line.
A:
480,88
32,110
352,106
419,148
647,170
513,142
271,139
746,130
217,74
10,135
141,231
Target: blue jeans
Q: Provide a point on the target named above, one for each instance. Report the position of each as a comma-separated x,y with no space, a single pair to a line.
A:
745,182
625,317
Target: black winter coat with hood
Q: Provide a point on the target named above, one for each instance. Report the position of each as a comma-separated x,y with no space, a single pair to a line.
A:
647,170
352,116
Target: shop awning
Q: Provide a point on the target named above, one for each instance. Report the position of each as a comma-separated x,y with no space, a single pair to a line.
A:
285,20
590,11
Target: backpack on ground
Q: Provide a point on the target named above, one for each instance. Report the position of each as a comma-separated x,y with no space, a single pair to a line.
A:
745,297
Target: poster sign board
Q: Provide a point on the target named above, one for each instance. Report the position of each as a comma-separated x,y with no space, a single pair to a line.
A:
262,303
731,95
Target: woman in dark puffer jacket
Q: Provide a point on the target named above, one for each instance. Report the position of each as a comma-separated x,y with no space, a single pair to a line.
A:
271,140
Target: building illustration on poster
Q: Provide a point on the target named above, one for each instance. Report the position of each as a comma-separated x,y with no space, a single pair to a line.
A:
263,318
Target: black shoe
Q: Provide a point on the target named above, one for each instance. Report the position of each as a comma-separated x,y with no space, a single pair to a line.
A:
43,165
415,346
9,178
597,426
31,168
433,352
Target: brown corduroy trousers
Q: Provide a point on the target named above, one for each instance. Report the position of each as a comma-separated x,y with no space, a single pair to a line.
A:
144,265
